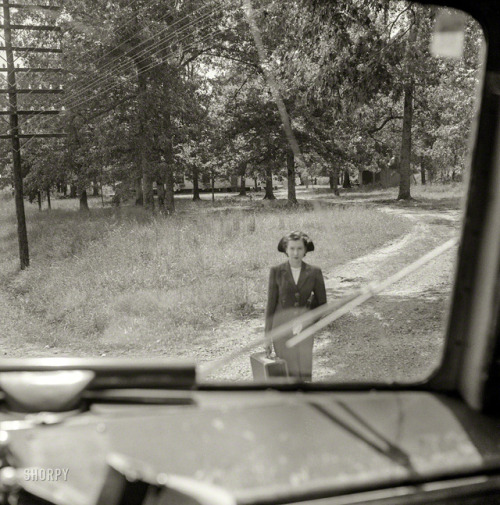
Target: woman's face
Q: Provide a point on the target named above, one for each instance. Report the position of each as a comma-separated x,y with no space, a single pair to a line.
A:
295,250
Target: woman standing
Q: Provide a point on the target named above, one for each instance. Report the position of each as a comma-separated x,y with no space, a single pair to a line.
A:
294,287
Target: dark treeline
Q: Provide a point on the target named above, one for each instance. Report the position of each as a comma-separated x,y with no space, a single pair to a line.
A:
156,89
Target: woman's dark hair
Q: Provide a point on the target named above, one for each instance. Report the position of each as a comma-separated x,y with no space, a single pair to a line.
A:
296,235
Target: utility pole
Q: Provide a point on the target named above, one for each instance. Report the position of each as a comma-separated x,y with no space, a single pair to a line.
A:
22,234
13,113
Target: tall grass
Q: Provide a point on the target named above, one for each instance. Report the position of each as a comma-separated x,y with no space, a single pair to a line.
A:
126,277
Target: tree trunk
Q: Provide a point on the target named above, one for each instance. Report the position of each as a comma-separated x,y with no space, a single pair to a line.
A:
95,188
243,189
102,192
80,186
49,205
73,191
255,183
334,181
422,175
290,168
405,158
347,179
161,193
39,195
147,185
84,205
169,188
196,183
405,165
169,159
269,194
212,184
139,197
144,142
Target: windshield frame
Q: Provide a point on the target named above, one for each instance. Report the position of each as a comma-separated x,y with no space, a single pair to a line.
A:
180,373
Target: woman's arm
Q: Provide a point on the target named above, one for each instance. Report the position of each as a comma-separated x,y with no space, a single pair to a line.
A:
272,300
319,288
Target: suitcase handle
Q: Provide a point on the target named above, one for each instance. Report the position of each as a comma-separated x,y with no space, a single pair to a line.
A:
272,354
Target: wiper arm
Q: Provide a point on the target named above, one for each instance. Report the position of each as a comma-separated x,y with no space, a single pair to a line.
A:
370,291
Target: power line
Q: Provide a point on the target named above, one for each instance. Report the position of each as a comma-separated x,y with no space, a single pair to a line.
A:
158,46
142,52
66,100
145,51
155,64
93,82
133,18
211,34
120,27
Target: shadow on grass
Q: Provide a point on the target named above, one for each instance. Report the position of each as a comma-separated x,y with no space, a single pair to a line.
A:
425,197
450,203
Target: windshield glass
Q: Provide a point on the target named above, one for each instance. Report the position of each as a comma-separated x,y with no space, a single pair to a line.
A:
217,180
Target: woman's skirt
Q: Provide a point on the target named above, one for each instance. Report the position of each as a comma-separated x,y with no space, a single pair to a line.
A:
298,358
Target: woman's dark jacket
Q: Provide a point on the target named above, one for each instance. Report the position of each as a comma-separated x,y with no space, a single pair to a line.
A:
286,299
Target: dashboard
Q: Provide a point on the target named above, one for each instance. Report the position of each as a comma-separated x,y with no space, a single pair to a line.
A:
256,448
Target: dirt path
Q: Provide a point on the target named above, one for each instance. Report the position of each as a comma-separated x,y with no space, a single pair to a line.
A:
397,335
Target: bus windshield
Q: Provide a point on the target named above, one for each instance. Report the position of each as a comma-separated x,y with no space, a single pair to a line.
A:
234,182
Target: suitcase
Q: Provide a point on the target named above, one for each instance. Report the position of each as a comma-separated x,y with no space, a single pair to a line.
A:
264,369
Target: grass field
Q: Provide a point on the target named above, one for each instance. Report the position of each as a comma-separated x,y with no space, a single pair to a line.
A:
124,276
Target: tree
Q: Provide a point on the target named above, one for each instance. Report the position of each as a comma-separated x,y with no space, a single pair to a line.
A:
160,92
